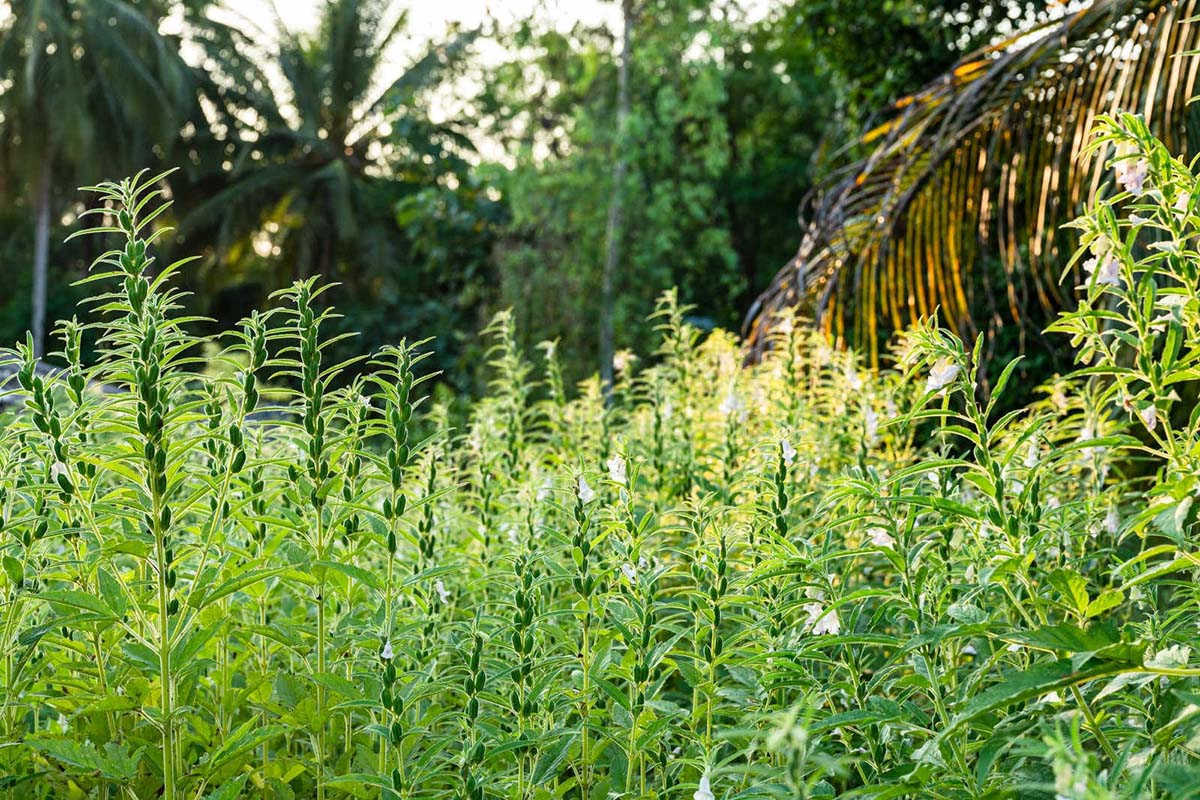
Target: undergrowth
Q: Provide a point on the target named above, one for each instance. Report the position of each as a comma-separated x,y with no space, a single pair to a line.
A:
800,579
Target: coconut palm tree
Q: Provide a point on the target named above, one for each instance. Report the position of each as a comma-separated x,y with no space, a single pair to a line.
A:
960,203
306,156
85,87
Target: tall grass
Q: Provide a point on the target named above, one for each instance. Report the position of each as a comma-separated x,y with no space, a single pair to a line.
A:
801,579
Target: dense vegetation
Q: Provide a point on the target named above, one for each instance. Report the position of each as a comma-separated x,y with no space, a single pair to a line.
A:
226,577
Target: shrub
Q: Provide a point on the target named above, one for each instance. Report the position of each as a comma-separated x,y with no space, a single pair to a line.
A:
799,579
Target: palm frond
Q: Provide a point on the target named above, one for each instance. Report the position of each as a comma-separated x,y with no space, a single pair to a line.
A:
960,204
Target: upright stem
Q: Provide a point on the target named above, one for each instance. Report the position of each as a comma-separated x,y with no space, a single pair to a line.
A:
586,709
320,663
164,657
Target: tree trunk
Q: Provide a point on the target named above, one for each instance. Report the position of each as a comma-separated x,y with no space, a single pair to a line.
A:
616,205
41,258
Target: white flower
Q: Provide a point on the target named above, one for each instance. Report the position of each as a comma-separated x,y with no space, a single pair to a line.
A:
1130,172
585,492
787,451
1112,521
1107,272
623,360
969,650
387,653
543,493
62,723
820,621
1182,201
364,401
1173,657
881,538
616,469
704,790
732,404
56,469
942,373
1031,456
1149,417
870,426
853,379
668,409
630,572
440,588
1013,648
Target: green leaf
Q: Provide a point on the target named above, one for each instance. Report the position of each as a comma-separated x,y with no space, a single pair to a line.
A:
337,684
552,758
14,570
1018,686
251,734
229,790
1107,599
115,762
1073,587
234,584
77,599
1063,637
110,590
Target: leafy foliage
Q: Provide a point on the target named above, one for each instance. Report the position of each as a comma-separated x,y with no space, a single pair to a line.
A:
801,579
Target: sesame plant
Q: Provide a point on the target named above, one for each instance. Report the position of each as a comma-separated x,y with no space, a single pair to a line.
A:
233,569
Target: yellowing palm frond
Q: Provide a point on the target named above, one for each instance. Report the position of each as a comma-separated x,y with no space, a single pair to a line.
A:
960,205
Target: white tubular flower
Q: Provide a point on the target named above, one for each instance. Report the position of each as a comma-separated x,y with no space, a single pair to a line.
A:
387,654
732,404
820,621
1107,271
616,469
56,469
440,588
787,451
629,572
1149,417
1174,657
871,426
1031,456
1131,172
1112,521
941,374
585,492
1182,202
880,537
853,379
704,790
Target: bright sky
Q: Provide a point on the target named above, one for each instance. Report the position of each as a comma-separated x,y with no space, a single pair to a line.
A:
428,18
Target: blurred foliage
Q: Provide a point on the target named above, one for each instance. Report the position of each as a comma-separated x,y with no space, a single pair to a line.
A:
438,189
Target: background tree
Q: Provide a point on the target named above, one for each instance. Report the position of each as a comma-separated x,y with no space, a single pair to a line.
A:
86,86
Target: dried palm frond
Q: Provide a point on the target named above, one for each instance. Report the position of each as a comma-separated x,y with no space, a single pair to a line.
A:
959,206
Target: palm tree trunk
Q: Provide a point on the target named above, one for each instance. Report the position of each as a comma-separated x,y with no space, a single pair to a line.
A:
41,257
616,205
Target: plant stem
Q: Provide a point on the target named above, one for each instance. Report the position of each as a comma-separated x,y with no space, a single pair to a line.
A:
164,660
